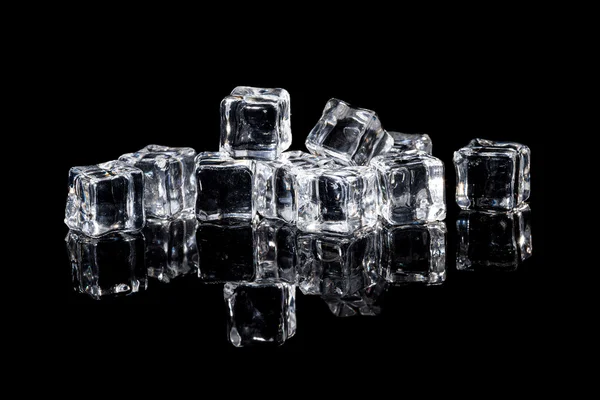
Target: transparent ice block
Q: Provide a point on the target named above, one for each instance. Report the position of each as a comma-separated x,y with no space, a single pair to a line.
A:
411,187
171,249
411,141
275,251
492,175
169,179
413,253
105,198
107,266
255,123
350,135
260,313
493,240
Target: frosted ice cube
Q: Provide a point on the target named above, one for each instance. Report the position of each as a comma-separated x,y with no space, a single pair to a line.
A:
411,187
105,198
350,135
255,123
492,175
169,179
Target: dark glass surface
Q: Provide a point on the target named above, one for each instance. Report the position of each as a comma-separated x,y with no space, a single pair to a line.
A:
470,312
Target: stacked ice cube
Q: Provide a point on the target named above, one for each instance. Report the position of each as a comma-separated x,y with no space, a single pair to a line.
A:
362,209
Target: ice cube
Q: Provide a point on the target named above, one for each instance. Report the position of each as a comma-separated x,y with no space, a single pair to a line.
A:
107,266
225,187
171,249
336,265
341,200
411,141
413,253
368,301
350,135
169,179
275,246
260,313
494,240
105,198
492,175
226,251
411,187
255,123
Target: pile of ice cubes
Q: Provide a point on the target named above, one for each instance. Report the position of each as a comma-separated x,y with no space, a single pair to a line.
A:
342,220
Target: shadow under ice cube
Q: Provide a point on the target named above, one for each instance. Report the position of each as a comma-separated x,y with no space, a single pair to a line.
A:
105,198
169,179
350,135
493,240
255,123
411,187
492,175
171,249
107,266
413,253
260,313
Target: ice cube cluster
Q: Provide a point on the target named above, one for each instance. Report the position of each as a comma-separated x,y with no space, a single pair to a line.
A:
360,210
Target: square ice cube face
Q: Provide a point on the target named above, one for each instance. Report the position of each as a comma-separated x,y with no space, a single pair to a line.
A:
275,251
492,175
277,186
336,265
107,266
169,179
105,198
413,253
260,313
255,123
226,187
411,141
350,135
493,240
171,249
226,251
340,200
411,187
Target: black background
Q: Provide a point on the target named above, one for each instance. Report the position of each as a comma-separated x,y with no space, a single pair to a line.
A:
118,98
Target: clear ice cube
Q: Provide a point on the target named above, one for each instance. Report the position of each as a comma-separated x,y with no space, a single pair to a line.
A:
492,175
107,266
105,198
226,251
225,187
260,313
411,141
350,135
493,240
413,253
255,123
340,200
169,179
171,249
275,246
277,183
411,187
336,265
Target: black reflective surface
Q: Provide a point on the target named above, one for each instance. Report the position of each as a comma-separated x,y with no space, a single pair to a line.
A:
471,311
